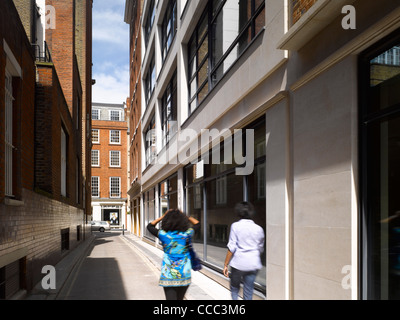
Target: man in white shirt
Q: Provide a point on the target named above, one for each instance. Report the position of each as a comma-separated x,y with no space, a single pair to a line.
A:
246,243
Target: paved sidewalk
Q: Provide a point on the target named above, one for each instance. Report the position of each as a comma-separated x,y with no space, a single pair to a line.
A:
78,274
202,287
64,270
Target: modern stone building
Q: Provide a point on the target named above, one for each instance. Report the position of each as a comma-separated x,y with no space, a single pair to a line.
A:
315,83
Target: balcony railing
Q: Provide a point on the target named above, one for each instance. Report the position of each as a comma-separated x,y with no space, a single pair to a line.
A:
42,55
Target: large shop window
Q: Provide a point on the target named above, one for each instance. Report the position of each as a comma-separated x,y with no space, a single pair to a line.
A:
213,190
225,30
149,211
380,176
169,194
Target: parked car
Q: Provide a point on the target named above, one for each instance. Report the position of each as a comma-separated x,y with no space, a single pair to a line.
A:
100,226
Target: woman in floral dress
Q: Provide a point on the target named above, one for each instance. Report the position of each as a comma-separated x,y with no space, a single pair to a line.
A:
175,236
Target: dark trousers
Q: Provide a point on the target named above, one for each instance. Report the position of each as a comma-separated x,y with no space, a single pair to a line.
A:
175,293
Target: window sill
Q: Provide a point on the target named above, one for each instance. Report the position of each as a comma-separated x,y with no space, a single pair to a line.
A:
320,15
13,203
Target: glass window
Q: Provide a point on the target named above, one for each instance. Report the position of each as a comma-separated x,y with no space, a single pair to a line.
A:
219,189
150,80
150,142
115,136
223,193
115,187
380,109
198,54
232,25
169,111
257,196
95,114
168,28
384,83
64,162
95,136
115,158
115,115
95,187
149,213
149,21
194,208
169,194
8,124
95,158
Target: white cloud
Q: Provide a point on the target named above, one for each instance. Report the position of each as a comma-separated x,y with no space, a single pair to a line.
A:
112,85
109,26
111,52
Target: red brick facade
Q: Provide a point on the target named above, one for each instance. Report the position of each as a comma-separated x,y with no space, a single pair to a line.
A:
104,171
83,51
51,108
300,7
134,113
23,106
45,100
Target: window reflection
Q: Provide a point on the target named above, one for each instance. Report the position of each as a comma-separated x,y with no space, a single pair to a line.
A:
382,147
219,189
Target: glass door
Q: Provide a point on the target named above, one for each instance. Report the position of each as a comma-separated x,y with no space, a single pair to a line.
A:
380,178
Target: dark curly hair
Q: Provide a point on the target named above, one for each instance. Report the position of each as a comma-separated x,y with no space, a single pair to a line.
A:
175,220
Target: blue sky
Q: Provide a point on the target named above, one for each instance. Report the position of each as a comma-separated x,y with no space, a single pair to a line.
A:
110,52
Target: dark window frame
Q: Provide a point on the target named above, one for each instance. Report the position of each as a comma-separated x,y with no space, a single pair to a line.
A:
168,28
197,96
150,80
367,118
169,98
149,22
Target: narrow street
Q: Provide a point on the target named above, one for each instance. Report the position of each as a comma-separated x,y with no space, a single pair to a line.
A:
113,270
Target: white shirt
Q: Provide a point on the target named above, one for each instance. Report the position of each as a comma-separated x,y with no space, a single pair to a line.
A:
246,242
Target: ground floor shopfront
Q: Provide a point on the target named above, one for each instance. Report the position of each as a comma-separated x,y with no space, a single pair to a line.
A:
112,211
325,182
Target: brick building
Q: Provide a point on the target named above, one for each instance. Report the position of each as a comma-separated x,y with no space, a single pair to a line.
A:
109,163
42,190
133,15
